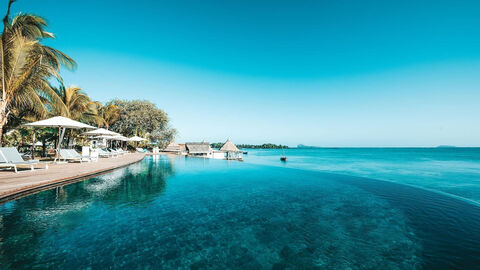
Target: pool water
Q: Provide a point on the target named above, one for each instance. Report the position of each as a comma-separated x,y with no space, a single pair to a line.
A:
189,213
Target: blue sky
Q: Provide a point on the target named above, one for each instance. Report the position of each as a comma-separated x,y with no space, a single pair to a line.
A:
326,73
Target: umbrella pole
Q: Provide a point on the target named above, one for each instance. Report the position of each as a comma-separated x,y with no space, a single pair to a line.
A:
33,145
58,144
61,132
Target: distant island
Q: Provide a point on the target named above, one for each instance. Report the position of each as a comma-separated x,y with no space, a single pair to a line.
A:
262,146
307,146
446,146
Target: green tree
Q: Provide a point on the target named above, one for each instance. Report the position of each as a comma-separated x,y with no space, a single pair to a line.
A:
163,137
138,117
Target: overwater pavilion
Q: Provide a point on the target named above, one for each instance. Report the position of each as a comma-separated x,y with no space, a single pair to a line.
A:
231,151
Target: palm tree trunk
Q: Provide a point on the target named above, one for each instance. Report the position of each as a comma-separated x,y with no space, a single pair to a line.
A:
44,148
1,136
33,145
68,141
3,102
3,120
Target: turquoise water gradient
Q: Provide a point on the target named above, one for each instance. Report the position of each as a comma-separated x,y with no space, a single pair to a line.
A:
189,213
455,171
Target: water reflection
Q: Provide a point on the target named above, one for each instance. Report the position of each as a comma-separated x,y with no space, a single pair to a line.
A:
106,182
24,222
145,182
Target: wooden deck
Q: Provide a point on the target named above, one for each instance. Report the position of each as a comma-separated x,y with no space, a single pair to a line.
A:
26,182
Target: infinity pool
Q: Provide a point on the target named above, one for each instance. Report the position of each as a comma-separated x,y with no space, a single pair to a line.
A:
188,213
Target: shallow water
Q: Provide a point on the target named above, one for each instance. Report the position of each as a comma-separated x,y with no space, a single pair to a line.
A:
188,213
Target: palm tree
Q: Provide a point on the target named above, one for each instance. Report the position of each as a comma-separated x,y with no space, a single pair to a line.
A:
109,114
27,66
75,104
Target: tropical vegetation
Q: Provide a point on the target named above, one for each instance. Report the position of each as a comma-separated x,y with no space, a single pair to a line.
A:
27,68
32,89
142,118
260,146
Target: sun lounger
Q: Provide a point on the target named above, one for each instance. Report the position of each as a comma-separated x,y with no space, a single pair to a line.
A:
103,153
76,155
123,151
72,155
113,152
10,158
118,151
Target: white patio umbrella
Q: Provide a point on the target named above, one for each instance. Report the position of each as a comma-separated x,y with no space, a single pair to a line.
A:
35,144
112,138
101,131
62,123
108,137
120,138
104,138
136,139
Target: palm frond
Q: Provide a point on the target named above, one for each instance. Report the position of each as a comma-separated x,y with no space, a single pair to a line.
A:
28,67
59,58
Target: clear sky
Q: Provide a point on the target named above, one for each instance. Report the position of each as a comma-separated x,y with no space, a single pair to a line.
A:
323,72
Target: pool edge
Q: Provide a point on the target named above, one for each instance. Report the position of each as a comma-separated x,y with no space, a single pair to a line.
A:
33,189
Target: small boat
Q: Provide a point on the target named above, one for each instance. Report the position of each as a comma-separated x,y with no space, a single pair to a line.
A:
283,157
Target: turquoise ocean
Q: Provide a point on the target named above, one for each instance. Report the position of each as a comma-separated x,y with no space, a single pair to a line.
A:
453,170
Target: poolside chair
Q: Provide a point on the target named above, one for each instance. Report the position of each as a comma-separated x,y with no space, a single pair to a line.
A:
117,151
103,153
5,164
76,155
113,153
10,158
72,155
123,151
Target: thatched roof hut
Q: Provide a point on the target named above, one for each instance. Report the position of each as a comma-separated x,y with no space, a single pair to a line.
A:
172,147
228,146
198,148
182,147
